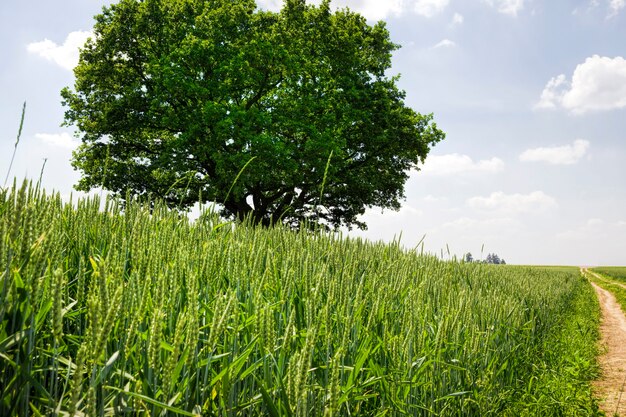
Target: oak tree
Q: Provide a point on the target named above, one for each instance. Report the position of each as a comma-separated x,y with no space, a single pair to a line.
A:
278,116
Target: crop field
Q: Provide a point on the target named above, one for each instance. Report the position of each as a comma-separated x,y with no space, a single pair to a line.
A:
135,310
616,272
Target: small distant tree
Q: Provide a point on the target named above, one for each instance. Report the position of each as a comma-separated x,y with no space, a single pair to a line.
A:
469,258
494,259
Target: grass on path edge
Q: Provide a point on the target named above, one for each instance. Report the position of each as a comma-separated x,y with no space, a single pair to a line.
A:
567,365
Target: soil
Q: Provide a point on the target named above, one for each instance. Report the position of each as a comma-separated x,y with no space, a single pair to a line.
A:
610,388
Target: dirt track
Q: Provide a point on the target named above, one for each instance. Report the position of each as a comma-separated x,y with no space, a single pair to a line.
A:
610,388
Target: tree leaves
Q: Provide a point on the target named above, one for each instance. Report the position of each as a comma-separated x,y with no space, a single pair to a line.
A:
194,89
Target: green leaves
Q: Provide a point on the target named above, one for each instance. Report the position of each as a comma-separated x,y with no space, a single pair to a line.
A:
195,90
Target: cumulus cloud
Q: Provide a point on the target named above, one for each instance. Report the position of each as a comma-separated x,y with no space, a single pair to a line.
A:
557,155
508,7
535,202
453,164
552,94
60,140
66,55
376,9
446,43
597,84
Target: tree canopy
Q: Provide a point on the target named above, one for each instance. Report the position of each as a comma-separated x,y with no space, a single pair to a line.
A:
287,115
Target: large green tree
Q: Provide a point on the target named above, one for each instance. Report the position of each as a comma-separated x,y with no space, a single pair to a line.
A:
278,116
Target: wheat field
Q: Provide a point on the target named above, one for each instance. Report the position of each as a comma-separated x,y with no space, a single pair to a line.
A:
132,309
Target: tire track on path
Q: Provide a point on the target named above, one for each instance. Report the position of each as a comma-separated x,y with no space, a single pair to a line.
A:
610,387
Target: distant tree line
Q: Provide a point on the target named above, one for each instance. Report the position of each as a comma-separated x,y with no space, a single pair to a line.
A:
491,258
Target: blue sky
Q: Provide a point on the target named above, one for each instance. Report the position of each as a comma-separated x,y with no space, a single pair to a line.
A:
531,94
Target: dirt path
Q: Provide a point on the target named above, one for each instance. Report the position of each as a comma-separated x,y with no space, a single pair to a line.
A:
610,388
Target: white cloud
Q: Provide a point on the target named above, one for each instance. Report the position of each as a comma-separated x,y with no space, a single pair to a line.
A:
429,8
66,55
552,94
273,5
61,140
557,155
597,84
509,7
453,164
377,10
457,19
446,43
615,6
535,202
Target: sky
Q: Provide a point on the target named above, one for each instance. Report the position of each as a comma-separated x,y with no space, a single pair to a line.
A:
531,95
